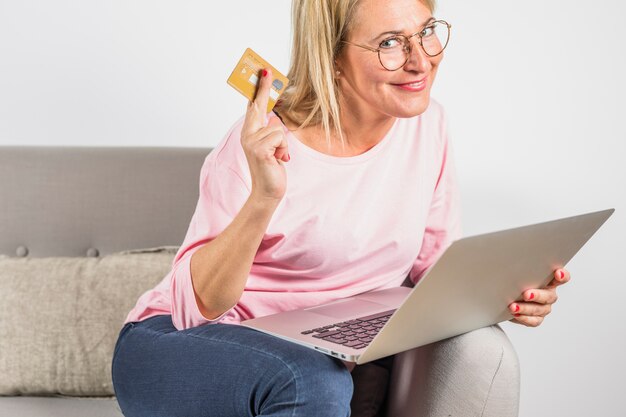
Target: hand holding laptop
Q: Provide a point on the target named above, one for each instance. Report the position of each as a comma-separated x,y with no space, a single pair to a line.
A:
535,304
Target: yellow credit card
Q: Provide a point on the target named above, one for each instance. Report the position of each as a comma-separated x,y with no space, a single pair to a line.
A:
245,77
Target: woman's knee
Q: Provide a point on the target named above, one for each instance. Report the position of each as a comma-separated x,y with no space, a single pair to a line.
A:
321,383
272,375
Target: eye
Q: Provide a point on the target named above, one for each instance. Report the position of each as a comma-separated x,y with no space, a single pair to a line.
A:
390,43
427,31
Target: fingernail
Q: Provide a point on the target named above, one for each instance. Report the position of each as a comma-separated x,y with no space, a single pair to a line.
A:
516,307
517,315
265,73
561,274
532,295
288,157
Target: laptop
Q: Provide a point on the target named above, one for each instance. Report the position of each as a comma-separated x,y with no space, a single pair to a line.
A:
469,287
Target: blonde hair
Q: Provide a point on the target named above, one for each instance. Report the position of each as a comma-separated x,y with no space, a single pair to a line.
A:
318,27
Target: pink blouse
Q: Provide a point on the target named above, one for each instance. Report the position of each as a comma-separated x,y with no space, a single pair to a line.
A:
345,226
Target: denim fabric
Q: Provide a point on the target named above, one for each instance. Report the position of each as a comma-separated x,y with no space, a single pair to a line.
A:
223,370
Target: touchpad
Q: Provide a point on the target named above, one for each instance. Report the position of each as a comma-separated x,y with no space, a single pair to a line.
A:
344,309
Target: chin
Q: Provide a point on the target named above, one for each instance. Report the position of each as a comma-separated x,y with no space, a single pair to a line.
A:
413,109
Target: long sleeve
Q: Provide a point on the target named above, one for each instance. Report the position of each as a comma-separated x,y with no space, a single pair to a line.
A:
443,224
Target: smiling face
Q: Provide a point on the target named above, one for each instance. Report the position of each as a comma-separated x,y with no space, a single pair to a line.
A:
370,90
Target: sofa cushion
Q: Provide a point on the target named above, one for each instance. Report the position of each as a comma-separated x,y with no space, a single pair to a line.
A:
60,318
59,406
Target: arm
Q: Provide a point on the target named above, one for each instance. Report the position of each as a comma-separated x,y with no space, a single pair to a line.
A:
220,268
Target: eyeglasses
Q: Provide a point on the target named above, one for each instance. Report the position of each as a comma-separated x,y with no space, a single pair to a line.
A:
394,52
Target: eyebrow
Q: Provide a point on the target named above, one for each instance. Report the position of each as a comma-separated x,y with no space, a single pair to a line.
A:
399,32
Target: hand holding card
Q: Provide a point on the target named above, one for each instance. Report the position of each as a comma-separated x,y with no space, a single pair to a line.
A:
245,77
263,139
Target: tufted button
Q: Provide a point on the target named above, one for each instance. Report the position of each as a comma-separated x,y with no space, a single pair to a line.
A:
21,251
92,252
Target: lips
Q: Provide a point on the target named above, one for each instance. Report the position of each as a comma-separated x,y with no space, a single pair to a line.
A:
414,86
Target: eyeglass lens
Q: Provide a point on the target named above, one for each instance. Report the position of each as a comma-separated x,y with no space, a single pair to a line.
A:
394,51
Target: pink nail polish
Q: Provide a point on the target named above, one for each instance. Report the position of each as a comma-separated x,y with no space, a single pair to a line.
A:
517,315
561,274
532,295
265,73
516,308
288,157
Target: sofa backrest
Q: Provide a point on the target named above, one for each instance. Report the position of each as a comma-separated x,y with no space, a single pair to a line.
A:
91,201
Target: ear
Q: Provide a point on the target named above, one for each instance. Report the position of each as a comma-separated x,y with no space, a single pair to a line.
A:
337,73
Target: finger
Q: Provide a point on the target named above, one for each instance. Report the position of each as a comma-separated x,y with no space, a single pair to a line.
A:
271,127
540,296
276,144
530,309
561,276
257,108
253,139
282,150
529,321
263,92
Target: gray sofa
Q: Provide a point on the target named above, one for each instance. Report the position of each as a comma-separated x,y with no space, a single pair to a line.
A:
97,210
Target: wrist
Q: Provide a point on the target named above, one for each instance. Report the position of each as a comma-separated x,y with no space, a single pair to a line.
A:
261,202
261,209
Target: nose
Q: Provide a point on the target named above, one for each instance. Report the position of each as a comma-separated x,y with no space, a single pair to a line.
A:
418,60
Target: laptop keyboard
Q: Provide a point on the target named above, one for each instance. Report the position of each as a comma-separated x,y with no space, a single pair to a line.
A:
356,333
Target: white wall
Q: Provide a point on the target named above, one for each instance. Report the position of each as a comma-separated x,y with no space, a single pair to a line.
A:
534,91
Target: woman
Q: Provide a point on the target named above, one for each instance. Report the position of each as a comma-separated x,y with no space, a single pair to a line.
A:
348,186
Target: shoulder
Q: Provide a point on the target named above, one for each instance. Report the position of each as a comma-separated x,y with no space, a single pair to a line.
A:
435,106
440,118
435,113
432,123
230,144
229,148
227,155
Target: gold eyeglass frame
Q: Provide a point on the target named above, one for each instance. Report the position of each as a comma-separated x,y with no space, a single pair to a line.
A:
408,42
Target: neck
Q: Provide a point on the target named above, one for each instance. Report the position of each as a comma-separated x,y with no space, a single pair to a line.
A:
362,127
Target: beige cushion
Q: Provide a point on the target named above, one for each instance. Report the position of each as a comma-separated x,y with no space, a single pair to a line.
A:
60,318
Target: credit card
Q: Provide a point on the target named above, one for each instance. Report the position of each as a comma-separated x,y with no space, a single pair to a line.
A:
245,78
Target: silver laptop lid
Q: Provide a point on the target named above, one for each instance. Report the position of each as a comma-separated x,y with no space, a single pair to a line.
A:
475,280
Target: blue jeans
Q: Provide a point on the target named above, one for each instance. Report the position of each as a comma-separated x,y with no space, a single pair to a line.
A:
223,370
